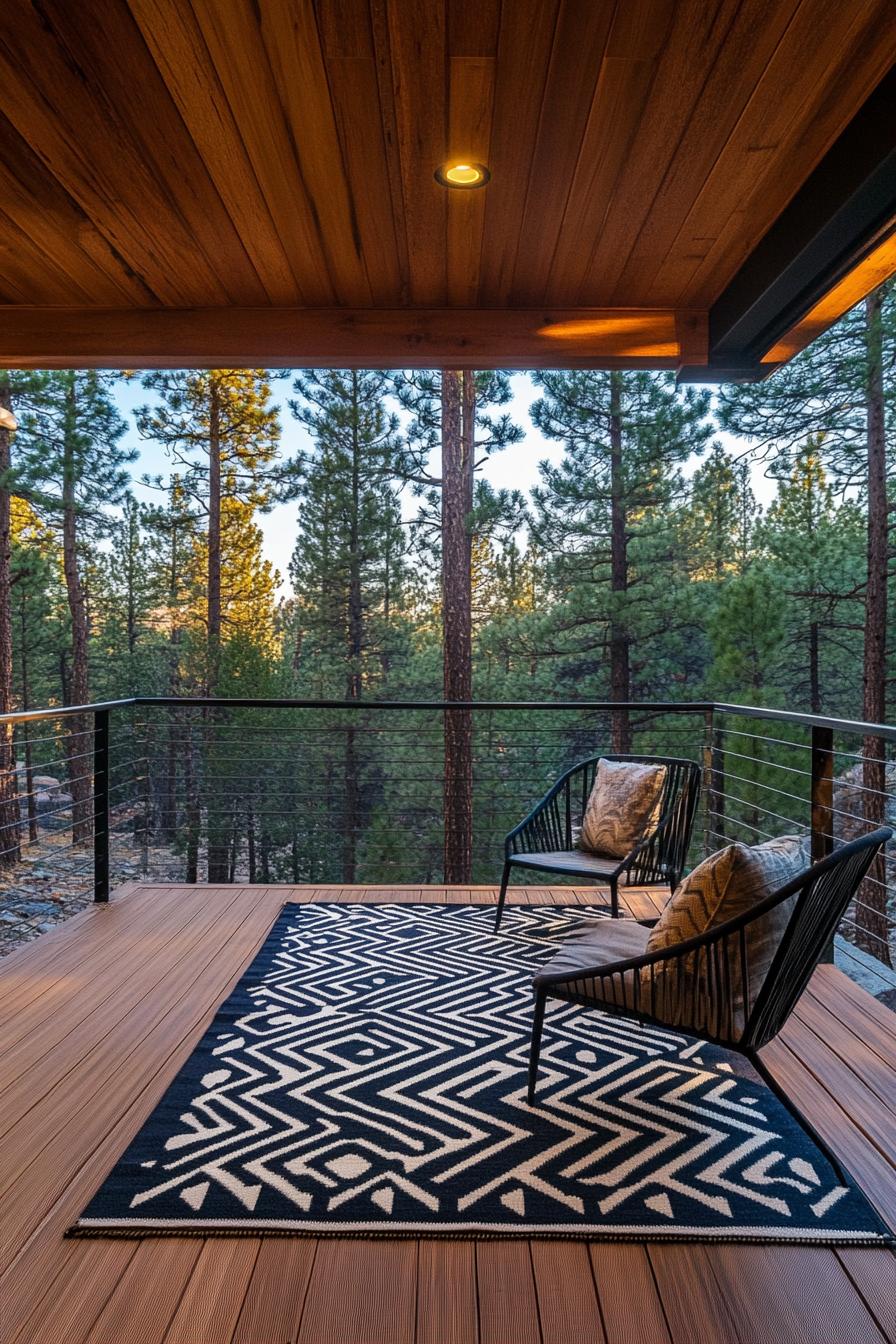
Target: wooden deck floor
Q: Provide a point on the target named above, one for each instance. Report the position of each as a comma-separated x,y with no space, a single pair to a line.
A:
98,1015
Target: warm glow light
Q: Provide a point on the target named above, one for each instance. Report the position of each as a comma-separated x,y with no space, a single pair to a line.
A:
462,175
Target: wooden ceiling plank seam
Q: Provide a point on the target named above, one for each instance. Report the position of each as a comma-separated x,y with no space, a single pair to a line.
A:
356,104
113,49
179,51
517,107
628,70
58,227
693,44
624,88
814,121
292,41
235,45
470,105
121,234
382,57
337,337
345,28
577,54
656,281
723,99
473,28
43,277
30,96
417,42
688,257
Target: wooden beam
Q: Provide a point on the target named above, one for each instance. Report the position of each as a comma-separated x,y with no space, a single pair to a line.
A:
607,338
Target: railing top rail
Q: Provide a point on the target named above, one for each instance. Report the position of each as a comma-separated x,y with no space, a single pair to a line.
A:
63,711
201,702
856,726
853,726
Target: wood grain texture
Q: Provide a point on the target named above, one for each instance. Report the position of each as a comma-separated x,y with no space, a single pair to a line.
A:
331,337
194,154
184,948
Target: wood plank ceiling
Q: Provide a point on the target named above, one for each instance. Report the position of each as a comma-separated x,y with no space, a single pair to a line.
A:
163,158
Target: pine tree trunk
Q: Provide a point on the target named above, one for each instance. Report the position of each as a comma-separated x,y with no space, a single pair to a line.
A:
24,681
78,737
814,670
351,813
213,598
620,673
10,849
872,933
174,737
458,424
217,829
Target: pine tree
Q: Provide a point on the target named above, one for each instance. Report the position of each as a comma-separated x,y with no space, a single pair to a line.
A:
451,419
222,431
219,426
348,564
36,606
605,518
719,517
836,389
71,467
815,549
9,806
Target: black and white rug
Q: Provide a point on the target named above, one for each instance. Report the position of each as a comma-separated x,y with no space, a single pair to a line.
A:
367,1077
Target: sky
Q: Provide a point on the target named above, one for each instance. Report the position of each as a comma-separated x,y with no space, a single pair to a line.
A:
515,468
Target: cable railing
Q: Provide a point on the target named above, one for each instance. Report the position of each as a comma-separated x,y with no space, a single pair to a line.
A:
324,792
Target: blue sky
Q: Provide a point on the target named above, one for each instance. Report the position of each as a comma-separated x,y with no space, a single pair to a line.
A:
516,468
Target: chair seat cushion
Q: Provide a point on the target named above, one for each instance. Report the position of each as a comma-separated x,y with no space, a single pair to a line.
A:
624,805
604,941
570,861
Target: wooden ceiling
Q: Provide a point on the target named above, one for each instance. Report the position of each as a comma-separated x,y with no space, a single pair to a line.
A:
251,181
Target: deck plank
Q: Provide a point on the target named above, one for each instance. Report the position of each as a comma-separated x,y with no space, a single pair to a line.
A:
172,954
623,1276
361,1292
807,1297
215,1292
567,1299
149,1291
508,1302
275,1296
446,1293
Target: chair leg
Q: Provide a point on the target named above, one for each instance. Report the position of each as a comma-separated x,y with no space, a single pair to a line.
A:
614,899
774,1086
505,878
535,1048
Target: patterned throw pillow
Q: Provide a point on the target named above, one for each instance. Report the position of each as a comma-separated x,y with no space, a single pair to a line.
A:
625,801
722,887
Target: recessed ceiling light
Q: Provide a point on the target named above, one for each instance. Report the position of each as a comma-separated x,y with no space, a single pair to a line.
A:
462,175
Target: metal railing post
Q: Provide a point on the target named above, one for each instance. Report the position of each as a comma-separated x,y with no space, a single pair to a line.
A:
822,801
709,735
101,805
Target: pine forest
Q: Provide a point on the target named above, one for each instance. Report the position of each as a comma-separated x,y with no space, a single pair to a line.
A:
678,545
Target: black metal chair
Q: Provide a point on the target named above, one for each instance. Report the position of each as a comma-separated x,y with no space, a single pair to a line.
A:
545,839
703,987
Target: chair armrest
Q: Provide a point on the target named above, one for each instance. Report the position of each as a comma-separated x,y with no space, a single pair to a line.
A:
553,834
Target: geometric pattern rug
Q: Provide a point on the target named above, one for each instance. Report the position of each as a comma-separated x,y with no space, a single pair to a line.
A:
367,1077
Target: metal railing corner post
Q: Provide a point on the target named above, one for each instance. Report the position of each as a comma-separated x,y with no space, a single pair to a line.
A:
101,805
822,802
708,735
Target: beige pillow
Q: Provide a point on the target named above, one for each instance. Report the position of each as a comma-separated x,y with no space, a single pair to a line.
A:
720,888
625,801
